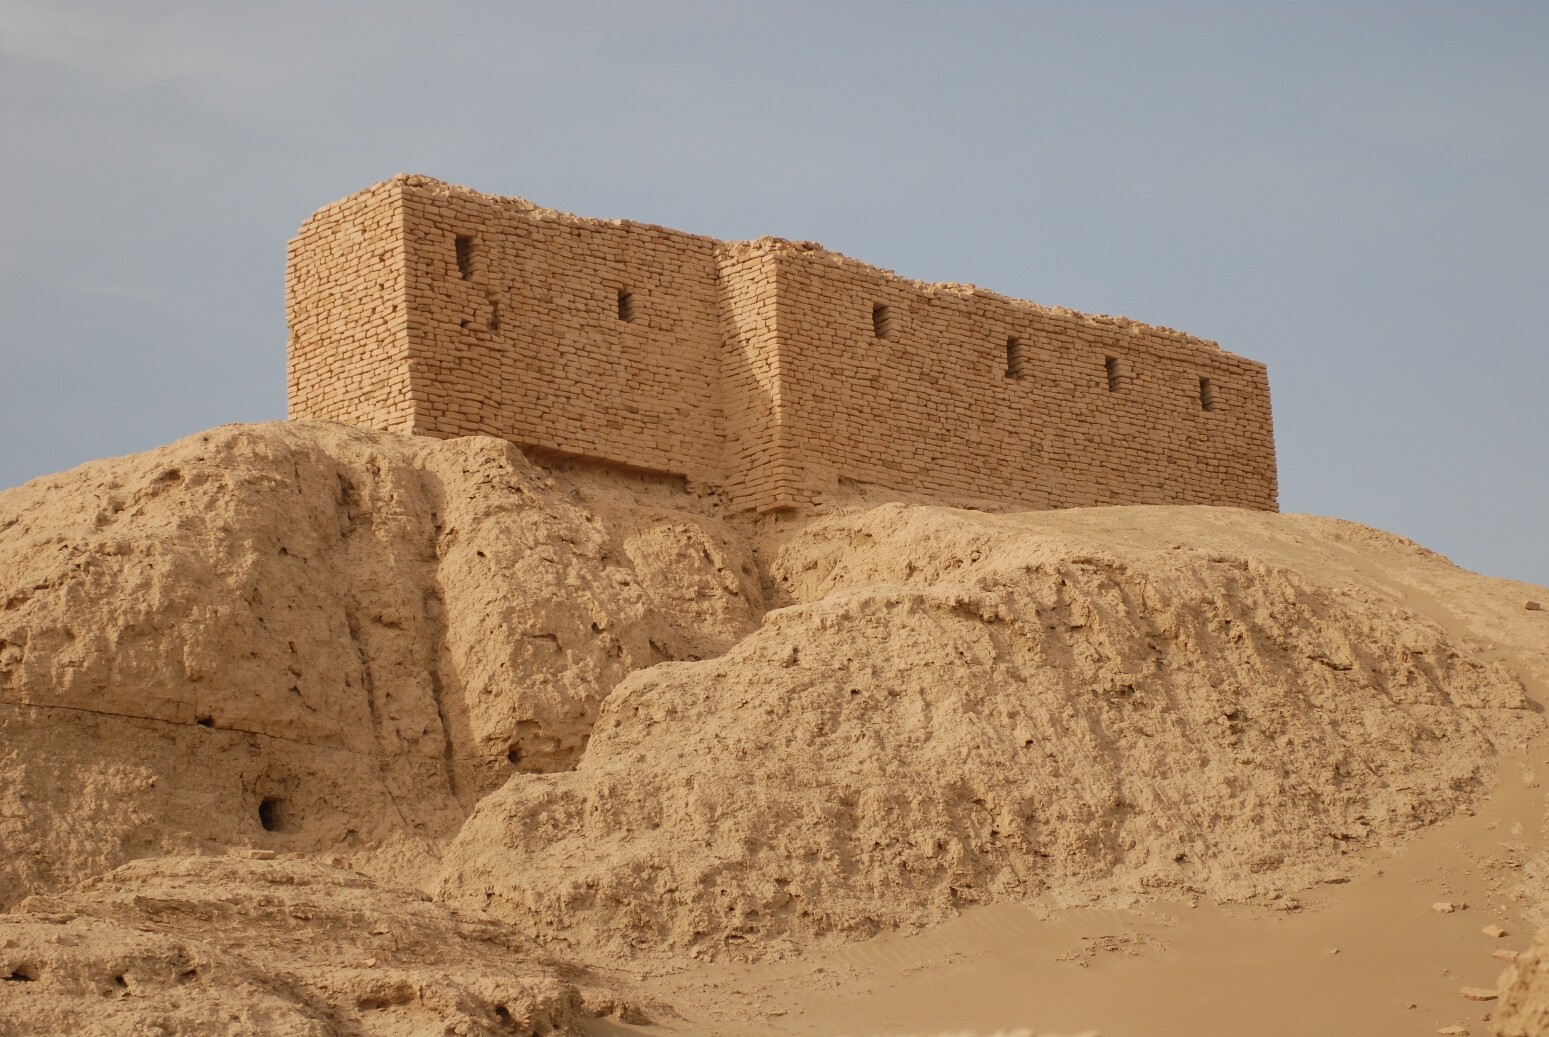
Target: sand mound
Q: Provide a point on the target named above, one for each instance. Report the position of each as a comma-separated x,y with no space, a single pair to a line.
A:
393,651
220,945
962,708
339,636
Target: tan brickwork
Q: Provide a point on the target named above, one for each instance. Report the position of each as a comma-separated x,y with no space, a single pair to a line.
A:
777,370
756,455
932,405
348,356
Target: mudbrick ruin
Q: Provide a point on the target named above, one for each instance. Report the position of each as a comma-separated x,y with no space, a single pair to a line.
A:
329,730
775,370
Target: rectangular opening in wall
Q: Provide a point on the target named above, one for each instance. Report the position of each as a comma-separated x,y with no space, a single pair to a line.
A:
1013,357
1111,363
1207,395
626,304
465,256
881,321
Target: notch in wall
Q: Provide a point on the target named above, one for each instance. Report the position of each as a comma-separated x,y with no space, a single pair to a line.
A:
1207,395
493,298
881,321
626,305
1014,357
1115,379
271,814
464,248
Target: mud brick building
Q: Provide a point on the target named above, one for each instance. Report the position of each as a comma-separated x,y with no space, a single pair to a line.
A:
775,370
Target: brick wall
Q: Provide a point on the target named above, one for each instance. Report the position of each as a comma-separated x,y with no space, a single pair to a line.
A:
347,358
580,337
929,401
777,370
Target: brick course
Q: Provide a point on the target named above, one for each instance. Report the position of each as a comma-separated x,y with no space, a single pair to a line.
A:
776,370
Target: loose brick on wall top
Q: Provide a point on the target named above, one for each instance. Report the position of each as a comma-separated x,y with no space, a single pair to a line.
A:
776,369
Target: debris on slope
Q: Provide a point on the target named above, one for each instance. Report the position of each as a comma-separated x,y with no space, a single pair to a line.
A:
205,945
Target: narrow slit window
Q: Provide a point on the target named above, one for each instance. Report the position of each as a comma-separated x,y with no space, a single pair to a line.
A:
626,304
465,256
1111,364
1207,395
882,321
1013,357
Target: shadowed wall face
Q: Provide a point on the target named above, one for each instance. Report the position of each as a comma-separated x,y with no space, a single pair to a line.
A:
775,369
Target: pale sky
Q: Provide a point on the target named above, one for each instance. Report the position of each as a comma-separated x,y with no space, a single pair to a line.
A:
1354,194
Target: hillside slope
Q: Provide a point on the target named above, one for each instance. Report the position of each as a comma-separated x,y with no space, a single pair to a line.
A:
308,637
959,708
591,704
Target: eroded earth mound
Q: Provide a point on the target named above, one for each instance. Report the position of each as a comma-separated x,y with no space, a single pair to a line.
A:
591,705
962,708
313,638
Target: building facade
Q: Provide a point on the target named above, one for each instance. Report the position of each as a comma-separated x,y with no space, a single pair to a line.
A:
775,370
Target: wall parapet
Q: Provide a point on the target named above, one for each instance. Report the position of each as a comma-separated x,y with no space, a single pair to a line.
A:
776,369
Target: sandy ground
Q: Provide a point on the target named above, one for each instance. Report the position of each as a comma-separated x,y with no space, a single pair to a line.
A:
1369,956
